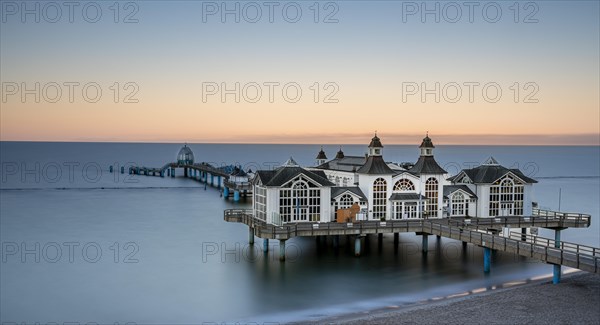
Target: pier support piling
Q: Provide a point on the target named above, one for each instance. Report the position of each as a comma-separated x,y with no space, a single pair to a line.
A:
464,246
122,169
225,192
336,241
282,250
357,246
250,236
487,259
396,238
110,168
219,181
212,180
425,243
265,245
236,196
556,274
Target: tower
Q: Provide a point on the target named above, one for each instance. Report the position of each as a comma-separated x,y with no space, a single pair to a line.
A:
321,157
427,146
375,147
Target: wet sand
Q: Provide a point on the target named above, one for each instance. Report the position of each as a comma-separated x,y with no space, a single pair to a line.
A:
576,300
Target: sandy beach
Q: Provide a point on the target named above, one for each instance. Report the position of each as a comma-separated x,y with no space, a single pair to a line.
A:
576,300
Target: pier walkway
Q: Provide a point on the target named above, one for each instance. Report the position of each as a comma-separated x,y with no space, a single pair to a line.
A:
204,172
483,232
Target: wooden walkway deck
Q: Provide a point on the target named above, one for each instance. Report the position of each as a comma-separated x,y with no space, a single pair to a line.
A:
477,231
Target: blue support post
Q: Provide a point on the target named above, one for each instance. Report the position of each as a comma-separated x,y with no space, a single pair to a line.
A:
225,192
250,236
282,250
265,245
557,268
219,181
212,180
487,259
122,169
425,243
357,246
236,196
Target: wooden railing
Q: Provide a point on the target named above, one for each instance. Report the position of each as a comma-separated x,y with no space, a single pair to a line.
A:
568,217
565,246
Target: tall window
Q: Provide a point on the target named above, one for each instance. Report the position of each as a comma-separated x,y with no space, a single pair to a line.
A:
300,202
404,185
431,193
260,202
379,198
506,197
458,204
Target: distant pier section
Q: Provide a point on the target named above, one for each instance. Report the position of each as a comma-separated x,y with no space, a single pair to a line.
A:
232,180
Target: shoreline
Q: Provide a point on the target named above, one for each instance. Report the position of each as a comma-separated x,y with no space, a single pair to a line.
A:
575,300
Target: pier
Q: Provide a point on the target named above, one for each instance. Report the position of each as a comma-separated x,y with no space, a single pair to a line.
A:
482,232
231,180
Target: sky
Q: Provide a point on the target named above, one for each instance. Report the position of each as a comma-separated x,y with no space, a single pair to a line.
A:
301,71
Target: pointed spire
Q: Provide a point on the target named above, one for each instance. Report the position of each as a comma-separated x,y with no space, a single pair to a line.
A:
290,163
321,155
491,161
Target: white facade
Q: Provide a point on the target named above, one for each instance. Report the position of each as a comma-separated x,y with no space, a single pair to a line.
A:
382,193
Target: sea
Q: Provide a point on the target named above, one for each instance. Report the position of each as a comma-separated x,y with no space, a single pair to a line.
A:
83,245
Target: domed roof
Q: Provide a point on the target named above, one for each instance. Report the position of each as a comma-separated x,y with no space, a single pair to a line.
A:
321,155
185,156
340,154
375,142
427,142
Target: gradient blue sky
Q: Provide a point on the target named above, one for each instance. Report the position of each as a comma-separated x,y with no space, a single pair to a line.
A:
369,54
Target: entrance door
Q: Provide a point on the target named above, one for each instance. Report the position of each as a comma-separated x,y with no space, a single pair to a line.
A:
506,209
301,214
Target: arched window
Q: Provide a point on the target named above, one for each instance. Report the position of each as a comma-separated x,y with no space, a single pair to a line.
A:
458,204
506,197
346,201
404,185
300,202
431,193
379,198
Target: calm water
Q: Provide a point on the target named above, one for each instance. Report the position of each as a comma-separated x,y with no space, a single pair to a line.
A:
113,248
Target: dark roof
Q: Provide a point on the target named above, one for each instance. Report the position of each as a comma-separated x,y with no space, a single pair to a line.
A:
449,189
345,164
426,165
321,154
488,174
237,171
427,142
283,175
375,165
340,154
375,142
406,197
335,191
